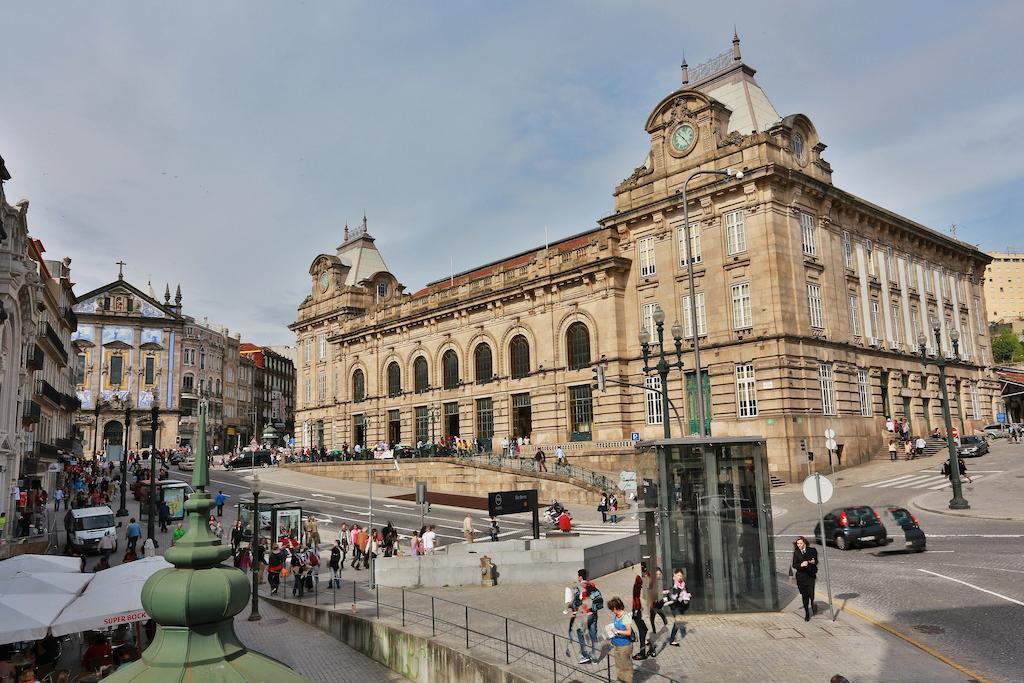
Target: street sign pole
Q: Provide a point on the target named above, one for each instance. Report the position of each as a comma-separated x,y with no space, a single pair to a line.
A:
824,546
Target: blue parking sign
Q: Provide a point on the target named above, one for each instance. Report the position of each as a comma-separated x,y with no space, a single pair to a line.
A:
635,436
1000,418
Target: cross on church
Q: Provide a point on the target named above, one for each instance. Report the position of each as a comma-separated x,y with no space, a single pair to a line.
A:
120,269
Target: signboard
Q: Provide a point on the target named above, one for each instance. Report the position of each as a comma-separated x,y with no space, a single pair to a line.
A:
811,488
830,433
635,436
291,441
627,481
1000,418
511,502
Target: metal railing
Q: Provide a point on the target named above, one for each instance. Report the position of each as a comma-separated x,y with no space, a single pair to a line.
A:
521,645
572,472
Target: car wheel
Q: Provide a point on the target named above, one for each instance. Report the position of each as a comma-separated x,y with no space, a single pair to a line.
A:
841,542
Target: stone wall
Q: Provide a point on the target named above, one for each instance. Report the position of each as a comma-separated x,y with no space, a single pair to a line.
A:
450,476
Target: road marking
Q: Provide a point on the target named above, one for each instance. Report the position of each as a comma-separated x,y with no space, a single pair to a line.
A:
926,480
320,495
971,585
890,481
399,507
976,477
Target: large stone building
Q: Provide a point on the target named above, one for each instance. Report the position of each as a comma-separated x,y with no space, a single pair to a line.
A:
273,391
1004,286
133,350
37,398
809,304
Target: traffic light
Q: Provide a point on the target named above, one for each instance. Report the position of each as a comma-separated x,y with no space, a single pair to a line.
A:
599,377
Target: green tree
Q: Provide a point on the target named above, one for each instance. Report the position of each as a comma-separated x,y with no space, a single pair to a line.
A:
1007,348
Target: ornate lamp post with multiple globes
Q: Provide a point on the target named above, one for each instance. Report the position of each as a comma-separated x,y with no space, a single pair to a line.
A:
957,502
662,367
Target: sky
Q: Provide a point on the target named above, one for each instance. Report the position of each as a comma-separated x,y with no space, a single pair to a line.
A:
224,145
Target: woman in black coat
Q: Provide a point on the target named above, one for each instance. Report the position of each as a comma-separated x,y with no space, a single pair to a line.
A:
805,565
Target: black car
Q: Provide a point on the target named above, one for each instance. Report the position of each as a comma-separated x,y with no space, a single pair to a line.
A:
245,460
848,527
914,538
972,447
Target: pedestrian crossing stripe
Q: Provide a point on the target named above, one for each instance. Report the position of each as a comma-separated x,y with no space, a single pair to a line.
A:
931,481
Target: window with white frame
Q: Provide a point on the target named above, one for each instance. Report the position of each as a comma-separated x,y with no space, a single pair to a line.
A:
897,328
854,304
695,253
645,254
864,392
321,341
647,320
814,305
876,325
890,265
735,233
975,402
746,390
655,414
321,387
309,350
847,250
944,280
702,317
741,315
828,389
978,317
869,257
307,390
808,234
929,286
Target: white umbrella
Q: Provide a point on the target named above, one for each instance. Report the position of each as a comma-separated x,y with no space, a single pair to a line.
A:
44,582
114,597
28,616
39,563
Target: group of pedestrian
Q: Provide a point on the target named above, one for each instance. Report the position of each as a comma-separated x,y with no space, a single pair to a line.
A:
608,506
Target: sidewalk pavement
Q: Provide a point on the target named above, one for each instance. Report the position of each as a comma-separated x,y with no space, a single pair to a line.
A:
873,470
316,483
1000,499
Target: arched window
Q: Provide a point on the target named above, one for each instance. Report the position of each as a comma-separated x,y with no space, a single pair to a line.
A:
482,365
420,375
394,380
358,386
450,367
519,354
577,346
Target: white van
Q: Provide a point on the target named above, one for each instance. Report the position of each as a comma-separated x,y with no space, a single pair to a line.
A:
86,526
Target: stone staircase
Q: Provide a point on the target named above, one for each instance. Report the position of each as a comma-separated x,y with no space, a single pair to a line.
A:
776,482
932,446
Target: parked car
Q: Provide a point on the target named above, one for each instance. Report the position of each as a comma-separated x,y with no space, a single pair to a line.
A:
995,431
187,464
245,460
972,447
176,457
848,527
913,536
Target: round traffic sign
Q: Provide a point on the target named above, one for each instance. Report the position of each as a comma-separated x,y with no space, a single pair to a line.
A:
830,433
813,484
830,444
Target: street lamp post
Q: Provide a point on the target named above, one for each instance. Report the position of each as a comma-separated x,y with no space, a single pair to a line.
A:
257,486
957,502
434,412
96,429
154,416
693,300
123,510
662,367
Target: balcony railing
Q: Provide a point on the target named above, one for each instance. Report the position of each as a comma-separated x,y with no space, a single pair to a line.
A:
70,318
46,391
34,358
46,450
48,335
70,402
31,413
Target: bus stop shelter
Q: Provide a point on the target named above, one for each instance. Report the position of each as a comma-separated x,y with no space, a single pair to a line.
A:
707,510
278,519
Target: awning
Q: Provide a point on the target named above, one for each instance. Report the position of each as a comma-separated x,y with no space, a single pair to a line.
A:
114,597
31,564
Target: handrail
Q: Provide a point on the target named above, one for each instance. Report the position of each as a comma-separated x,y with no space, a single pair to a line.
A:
582,474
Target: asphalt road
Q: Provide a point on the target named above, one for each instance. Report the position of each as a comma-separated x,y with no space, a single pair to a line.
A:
964,596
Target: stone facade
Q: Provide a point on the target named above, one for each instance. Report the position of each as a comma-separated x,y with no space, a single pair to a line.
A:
37,399
1004,286
809,304
273,389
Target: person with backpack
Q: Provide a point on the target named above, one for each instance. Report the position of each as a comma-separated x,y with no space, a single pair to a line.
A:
677,599
298,571
276,568
335,563
313,564
587,600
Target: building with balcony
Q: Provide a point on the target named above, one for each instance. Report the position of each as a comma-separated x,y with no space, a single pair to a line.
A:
809,302
273,390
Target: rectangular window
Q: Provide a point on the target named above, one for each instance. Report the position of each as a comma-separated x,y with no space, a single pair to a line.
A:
647,322
808,235
864,392
581,411
746,391
695,251
80,369
321,387
890,271
944,280
395,426
308,391
876,325
975,402
202,360
828,390
654,412
855,315
150,370
735,233
702,317
309,350
423,423
814,305
741,316
847,250
645,249
484,418
897,329
978,316
322,344
928,284
116,370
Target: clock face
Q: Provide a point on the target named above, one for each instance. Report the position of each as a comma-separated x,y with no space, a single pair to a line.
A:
325,281
684,137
